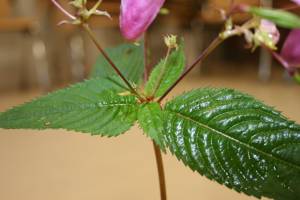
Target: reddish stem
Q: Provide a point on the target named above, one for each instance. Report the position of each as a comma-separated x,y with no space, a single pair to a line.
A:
157,151
72,17
161,173
116,69
215,43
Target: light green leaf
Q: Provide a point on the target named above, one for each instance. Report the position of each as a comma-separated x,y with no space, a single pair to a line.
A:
129,58
150,118
237,141
170,70
89,107
280,17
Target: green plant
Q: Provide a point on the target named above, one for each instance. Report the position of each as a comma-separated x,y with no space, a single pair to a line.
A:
226,135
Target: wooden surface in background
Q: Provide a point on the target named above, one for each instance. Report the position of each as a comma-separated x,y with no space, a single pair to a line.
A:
4,8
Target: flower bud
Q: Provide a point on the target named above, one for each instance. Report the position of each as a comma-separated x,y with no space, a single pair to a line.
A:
267,34
78,3
271,30
171,41
137,15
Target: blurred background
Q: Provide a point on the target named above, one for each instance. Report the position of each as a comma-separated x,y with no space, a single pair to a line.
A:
37,56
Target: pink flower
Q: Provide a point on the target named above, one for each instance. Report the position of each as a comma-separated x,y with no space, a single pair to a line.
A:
137,16
296,1
272,33
291,50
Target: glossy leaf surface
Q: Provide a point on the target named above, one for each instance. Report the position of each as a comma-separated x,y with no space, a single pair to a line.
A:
89,107
166,73
237,141
150,118
129,58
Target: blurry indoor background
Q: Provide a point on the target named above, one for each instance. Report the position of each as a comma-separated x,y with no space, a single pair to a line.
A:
37,56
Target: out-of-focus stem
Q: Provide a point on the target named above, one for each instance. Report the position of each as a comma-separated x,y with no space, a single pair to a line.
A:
280,59
63,10
292,7
146,58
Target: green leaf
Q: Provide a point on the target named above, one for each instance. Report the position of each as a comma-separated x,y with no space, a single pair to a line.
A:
128,57
280,17
89,107
237,141
150,118
169,71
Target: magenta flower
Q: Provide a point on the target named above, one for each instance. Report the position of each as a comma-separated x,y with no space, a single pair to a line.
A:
137,16
296,1
291,50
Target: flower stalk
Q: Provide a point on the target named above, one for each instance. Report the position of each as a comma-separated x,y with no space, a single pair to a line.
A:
116,69
69,15
146,57
83,16
216,42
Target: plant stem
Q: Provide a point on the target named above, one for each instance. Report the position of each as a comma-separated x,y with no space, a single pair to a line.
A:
162,73
146,56
161,173
93,37
291,7
215,43
157,152
281,61
72,17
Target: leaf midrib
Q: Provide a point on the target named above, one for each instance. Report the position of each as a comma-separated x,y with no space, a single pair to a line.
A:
79,108
270,156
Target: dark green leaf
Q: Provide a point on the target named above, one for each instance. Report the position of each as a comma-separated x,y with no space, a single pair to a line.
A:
237,141
90,107
280,17
170,71
150,118
128,57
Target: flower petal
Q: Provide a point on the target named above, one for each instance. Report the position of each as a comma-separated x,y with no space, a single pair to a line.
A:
271,30
291,49
137,16
296,1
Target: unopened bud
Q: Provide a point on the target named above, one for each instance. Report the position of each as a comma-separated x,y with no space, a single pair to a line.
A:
171,41
267,34
83,14
164,11
78,3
